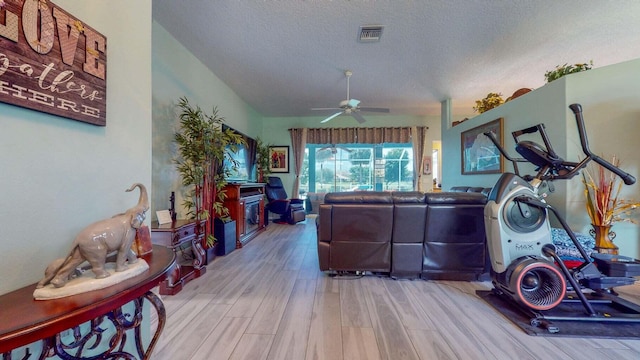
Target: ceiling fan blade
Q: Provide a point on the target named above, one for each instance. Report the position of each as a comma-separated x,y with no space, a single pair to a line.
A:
370,109
332,108
335,148
358,117
331,117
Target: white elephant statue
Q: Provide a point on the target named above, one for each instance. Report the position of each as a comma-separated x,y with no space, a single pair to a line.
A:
98,240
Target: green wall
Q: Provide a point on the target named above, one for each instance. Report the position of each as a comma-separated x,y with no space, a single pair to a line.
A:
60,175
609,98
176,73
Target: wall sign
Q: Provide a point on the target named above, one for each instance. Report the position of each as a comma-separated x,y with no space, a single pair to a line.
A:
52,62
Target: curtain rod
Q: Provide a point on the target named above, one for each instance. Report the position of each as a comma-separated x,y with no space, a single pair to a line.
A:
384,127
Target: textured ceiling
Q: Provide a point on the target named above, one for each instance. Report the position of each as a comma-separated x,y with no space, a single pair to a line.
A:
284,57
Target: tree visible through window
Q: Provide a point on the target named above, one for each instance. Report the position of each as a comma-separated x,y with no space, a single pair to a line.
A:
357,167
396,169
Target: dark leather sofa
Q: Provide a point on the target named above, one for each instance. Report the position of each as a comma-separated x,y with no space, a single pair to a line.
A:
405,234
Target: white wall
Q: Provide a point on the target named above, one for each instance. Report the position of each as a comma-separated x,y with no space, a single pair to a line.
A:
60,175
609,97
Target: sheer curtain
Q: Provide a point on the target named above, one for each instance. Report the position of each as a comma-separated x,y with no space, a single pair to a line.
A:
298,143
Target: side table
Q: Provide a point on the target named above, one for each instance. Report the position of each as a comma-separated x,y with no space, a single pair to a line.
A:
26,321
174,236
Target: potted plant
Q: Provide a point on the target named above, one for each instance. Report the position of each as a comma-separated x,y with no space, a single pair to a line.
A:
491,101
262,159
203,147
566,69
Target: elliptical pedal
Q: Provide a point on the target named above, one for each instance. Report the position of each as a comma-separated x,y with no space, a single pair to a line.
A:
617,265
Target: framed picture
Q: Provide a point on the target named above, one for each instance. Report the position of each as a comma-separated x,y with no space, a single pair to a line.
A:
279,159
426,166
479,155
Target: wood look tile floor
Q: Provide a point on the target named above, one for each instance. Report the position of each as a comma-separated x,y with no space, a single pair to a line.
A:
268,300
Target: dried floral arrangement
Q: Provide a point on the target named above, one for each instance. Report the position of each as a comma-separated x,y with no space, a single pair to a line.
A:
602,189
491,101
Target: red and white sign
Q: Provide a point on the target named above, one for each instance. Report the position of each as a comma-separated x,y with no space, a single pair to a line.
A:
52,62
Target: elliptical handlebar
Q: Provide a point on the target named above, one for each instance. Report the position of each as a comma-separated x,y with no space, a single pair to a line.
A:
550,166
626,177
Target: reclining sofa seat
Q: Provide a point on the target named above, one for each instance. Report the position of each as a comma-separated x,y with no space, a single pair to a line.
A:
407,234
354,231
455,240
409,222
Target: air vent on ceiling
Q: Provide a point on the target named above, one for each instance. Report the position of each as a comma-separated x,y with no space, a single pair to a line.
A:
370,33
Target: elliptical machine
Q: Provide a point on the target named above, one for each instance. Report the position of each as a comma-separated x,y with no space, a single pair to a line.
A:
525,268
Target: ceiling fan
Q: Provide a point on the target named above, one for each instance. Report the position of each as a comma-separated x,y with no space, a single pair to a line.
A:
351,106
334,149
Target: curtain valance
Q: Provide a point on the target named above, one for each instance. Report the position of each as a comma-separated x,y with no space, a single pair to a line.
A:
360,135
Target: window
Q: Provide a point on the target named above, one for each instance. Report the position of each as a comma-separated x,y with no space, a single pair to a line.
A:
357,167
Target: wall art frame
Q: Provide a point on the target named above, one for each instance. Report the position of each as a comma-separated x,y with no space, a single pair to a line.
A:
426,166
279,159
478,154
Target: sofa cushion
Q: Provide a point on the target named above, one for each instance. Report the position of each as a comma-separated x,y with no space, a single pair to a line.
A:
360,223
482,190
472,198
357,232
455,241
408,197
358,197
410,215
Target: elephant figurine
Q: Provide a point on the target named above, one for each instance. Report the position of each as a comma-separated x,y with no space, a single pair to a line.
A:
95,242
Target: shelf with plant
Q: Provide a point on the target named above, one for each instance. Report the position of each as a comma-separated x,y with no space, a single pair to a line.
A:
492,100
203,147
566,69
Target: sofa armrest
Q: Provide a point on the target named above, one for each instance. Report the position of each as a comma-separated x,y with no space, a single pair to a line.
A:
323,222
323,229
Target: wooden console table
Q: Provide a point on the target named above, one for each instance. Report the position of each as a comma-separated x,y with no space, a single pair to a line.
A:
245,202
26,321
174,235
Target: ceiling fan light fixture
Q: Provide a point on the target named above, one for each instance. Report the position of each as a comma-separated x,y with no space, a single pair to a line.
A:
370,33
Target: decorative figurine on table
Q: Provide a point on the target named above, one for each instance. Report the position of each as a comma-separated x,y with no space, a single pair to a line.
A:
96,242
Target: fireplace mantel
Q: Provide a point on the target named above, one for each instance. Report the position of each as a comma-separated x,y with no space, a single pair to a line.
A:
245,202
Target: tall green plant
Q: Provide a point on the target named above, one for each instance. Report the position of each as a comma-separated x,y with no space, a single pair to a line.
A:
203,147
262,159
